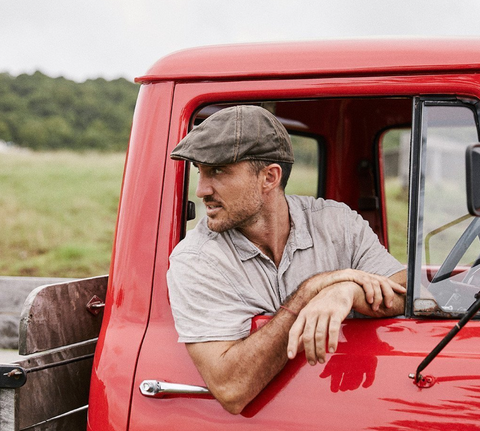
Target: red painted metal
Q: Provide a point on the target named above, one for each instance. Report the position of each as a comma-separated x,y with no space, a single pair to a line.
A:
303,59
365,383
426,382
130,283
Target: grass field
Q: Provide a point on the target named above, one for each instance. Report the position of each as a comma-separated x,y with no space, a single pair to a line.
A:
397,218
58,212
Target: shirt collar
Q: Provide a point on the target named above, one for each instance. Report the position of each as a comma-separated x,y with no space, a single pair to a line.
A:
300,237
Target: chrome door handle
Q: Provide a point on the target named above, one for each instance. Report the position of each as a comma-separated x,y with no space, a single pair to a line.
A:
158,389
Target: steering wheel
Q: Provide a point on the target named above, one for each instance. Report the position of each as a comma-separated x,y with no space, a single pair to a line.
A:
454,293
456,253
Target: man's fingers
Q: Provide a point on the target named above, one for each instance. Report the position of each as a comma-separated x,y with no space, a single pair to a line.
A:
369,290
389,287
312,333
315,334
388,294
383,289
295,336
310,339
398,287
378,298
321,331
317,327
333,333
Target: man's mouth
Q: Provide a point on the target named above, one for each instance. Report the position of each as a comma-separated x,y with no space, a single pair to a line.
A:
212,208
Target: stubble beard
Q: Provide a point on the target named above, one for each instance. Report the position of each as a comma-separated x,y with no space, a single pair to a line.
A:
241,219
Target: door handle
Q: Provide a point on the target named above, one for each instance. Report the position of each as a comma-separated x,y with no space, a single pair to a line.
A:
158,389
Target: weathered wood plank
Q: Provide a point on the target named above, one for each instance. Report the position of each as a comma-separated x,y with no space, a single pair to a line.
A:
58,384
56,315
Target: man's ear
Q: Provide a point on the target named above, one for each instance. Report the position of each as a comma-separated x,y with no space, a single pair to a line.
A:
273,177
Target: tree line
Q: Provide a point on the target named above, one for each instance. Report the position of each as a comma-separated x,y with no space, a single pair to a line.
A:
44,113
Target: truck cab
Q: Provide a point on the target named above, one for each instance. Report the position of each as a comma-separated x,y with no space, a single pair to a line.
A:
389,127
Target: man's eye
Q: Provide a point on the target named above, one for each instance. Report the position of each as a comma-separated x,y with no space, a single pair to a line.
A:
218,171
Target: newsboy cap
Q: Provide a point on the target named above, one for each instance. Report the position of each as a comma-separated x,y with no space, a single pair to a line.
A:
235,134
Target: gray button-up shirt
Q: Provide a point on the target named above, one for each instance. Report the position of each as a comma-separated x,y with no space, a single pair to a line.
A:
219,281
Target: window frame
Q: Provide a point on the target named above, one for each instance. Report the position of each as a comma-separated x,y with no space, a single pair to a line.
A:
416,210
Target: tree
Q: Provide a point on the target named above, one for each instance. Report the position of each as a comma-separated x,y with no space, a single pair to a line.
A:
40,112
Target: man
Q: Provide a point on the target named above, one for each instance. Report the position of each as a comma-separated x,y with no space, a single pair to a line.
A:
307,262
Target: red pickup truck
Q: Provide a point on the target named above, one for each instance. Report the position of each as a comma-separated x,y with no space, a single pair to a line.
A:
391,128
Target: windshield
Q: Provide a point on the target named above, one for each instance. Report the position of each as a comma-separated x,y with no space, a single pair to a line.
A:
448,244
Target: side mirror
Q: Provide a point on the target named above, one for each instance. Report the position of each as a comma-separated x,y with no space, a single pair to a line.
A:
472,162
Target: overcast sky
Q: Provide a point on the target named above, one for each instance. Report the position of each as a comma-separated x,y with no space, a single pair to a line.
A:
83,39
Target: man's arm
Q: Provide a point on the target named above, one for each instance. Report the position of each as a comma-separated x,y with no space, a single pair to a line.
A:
236,371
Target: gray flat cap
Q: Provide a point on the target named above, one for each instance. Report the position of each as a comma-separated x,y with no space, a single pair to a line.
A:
235,134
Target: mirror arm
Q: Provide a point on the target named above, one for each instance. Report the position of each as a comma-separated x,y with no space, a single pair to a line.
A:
472,169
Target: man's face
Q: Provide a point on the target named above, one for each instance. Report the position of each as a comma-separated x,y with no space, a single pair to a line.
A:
231,194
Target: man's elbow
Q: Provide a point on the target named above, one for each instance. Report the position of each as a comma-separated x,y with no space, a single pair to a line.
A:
233,408
233,401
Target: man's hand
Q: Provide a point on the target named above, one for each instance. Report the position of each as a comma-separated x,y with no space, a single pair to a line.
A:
319,321
377,288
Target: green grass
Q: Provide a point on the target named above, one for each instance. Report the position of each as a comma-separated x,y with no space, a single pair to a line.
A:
397,218
58,212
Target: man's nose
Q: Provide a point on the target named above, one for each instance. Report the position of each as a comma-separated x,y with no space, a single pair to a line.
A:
204,187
